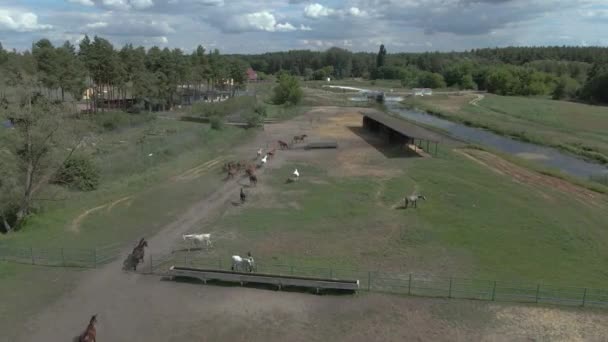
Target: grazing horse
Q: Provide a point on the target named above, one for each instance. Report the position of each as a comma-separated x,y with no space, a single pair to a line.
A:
253,180
90,334
243,196
413,200
299,138
243,264
283,145
260,152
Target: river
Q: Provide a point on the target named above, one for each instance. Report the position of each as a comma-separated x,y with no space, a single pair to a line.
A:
547,156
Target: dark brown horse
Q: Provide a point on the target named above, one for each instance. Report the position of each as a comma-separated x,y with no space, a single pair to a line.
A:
299,138
253,180
283,145
90,334
250,170
136,257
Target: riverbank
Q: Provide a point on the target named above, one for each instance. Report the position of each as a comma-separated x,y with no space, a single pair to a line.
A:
575,128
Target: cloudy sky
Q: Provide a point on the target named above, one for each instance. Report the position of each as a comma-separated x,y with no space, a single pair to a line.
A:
252,26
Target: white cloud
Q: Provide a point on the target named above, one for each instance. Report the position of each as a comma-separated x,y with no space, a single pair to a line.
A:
98,24
305,28
116,4
257,21
141,4
83,2
287,27
20,21
317,11
356,12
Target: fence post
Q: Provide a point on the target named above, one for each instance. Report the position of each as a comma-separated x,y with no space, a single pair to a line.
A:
32,254
537,292
450,291
186,259
584,296
369,280
62,258
494,291
409,285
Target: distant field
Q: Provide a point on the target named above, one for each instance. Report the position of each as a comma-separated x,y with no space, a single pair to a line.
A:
577,128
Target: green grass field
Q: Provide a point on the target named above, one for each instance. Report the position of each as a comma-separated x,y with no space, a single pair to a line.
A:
574,127
476,223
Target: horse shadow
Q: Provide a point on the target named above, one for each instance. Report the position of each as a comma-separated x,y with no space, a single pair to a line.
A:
236,203
195,249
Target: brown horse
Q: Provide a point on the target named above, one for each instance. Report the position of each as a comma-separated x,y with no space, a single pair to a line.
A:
253,180
283,145
136,257
299,138
90,334
250,170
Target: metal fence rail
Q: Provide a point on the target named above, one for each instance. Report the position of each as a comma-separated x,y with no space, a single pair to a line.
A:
412,284
387,282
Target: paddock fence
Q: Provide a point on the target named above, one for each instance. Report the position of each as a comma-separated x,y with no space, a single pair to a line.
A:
60,257
410,284
401,283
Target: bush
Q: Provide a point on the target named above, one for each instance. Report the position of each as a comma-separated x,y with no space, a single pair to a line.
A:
431,80
78,172
256,118
216,122
288,90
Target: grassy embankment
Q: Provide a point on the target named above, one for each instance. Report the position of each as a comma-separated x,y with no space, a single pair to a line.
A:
573,127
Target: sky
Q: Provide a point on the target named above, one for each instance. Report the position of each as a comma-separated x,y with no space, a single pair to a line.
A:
255,26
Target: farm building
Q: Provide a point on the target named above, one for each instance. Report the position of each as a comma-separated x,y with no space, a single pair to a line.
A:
400,132
252,76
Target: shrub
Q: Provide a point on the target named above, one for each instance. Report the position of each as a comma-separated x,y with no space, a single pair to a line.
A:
216,122
78,172
287,91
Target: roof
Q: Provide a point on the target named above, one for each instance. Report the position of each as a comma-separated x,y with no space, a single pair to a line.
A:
403,126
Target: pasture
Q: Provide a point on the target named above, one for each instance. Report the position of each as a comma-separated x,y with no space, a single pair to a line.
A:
484,217
574,127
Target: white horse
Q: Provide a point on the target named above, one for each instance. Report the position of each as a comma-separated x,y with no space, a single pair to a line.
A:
265,159
260,152
413,200
198,239
242,264
296,173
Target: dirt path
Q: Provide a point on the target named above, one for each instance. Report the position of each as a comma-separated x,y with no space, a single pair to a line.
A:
475,101
538,181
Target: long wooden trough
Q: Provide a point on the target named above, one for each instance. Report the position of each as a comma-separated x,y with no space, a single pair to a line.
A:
260,278
321,145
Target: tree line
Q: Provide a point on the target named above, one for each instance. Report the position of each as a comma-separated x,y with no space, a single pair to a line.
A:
561,71
129,77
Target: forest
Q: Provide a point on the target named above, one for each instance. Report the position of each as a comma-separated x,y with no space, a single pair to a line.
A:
152,77
579,73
